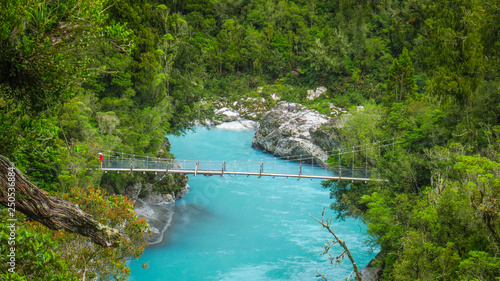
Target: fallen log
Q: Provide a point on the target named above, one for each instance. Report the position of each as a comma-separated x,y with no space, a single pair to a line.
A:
50,211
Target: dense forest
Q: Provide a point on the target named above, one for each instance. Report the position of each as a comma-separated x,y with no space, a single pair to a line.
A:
77,76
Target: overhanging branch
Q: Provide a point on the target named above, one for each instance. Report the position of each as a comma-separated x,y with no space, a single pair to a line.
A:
326,224
51,211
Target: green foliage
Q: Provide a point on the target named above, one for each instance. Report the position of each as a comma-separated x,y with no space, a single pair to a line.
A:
36,256
453,48
401,84
479,266
436,217
42,44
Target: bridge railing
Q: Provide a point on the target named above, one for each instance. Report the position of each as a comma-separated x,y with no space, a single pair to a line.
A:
350,172
270,165
115,162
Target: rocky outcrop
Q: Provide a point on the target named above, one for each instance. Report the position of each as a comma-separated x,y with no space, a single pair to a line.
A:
373,271
233,120
295,131
242,124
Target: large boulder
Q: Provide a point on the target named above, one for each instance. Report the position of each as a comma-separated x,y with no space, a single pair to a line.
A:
290,129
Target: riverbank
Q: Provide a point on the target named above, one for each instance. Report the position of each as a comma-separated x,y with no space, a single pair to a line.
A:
158,217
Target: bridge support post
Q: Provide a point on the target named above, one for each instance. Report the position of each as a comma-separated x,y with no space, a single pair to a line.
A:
352,173
392,147
261,169
300,170
340,164
196,168
223,168
366,162
166,169
379,151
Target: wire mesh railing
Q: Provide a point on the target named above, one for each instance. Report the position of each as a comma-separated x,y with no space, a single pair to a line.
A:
358,156
269,166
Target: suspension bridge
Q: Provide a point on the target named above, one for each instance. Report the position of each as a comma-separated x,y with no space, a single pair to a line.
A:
299,166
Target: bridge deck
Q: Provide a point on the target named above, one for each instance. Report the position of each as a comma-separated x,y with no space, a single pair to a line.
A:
221,173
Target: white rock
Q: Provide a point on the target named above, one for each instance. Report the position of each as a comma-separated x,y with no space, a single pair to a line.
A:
249,124
230,116
275,97
222,110
320,90
253,115
227,114
259,89
311,94
360,108
238,125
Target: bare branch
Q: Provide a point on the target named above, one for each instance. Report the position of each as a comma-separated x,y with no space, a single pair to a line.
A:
322,276
326,224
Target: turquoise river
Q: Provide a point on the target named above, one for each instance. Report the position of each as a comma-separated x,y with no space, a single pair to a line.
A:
246,228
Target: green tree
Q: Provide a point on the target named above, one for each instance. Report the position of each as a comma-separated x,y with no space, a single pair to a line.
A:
452,49
401,84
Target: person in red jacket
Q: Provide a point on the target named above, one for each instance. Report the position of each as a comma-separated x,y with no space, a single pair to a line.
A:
101,158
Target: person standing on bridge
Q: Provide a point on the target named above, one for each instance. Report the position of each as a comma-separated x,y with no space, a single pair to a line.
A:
101,158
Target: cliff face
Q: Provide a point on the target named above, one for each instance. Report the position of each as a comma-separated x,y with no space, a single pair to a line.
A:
153,196
295,130
156,206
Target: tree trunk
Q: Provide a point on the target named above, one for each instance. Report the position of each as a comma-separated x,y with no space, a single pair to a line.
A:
50,211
